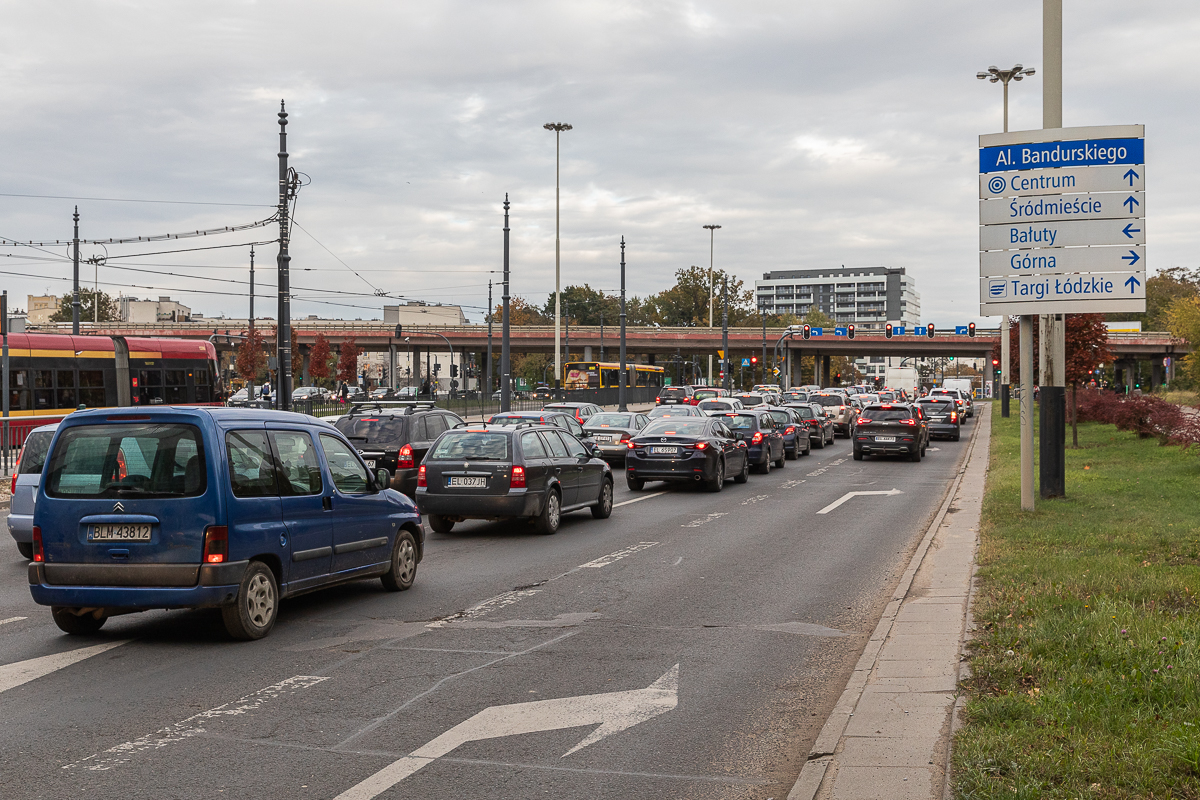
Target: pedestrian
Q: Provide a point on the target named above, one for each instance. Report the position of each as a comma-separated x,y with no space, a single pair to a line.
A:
345,392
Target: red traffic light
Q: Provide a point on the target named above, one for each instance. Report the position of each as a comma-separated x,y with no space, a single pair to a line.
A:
995,362
887,330
807,331
850,331
971,330
929,330
753,359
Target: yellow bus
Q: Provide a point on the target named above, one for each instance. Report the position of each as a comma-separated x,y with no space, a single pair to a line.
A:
606,374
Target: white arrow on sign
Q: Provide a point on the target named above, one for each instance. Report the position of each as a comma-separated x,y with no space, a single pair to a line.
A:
612,711
848,495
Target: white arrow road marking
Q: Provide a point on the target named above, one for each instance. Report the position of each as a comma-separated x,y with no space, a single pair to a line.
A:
11,619
612,711
848,495
192,726
13,675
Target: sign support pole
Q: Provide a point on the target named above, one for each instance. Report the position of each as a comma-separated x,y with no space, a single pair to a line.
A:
1026,406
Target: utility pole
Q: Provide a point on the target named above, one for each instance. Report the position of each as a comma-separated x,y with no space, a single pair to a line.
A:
712,229
488,372
505,377
601,335
250,383
764,346
283,339
725,334
75,298
624,368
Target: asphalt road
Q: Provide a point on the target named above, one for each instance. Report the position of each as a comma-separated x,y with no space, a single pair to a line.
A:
738,616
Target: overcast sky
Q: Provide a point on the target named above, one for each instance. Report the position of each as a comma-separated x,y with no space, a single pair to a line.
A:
816,134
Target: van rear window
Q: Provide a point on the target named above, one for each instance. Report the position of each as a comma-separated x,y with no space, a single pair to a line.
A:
144,460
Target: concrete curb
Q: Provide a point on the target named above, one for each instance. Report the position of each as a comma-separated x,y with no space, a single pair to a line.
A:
816,776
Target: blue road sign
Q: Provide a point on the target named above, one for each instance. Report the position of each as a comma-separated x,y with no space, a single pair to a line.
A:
960,330
745,362
840,331
815,331
1081,153
898,330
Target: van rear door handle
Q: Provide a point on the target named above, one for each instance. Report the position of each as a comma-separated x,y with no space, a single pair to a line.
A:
327,503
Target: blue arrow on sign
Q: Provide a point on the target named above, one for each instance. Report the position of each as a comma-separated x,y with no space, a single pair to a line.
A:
1126,230
1131,201
839,331
1132,258
898,330
1132,283
960,330
815,331
1131,175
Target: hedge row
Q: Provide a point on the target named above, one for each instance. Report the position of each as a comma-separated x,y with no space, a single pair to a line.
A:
1145,415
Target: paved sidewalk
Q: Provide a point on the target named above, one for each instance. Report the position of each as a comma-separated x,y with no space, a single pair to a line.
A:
888,736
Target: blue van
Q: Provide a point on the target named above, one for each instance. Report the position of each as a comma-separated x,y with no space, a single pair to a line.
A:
208,507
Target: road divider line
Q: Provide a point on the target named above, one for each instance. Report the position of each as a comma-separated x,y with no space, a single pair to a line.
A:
13,675
11,619
192,726
696,523
604,561
637,499
749,501
502,600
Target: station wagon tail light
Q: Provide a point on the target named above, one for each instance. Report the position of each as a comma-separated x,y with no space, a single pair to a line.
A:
216,544
758,437
405,459
421,477
518,477
700,445
37,545
13,489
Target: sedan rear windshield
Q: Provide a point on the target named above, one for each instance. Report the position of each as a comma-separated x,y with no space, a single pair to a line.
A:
805,412
714,405
795,397
827,399
610,421
740,422
679,427
472,446
706,394
381,431
164,460
947,402
33,456
887,414
672,390
751,399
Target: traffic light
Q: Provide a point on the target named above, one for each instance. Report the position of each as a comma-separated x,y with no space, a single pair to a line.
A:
454,370
850,331
971,330
996,367
807,332
887,330
383,373
436,367
753,360
929,330
399,331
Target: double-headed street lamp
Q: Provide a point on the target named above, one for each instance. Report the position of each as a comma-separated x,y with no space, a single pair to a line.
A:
712,229
996,75
558,128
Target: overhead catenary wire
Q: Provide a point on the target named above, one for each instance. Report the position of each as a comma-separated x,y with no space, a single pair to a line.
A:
156,238
133,200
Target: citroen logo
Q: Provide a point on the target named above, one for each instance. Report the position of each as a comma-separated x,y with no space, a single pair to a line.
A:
118,507
466,465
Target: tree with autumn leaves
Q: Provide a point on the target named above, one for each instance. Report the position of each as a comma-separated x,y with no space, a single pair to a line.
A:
318,360
347,363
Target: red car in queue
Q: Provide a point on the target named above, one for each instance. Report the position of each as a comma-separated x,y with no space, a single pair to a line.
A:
891,429
694,449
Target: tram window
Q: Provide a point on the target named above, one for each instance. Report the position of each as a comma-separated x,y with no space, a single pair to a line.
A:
65,396
176,386
91,388
43,389
151,377
203,391
149,386
18,394
201,377
610,376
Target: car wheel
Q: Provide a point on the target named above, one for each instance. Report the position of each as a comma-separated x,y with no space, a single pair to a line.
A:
955,437
744,475
718,480
820,445
634,484
76,624
915,455
440,524
765,467
26,550
782,462
793,454
403,569
603,507
858,455
547,523
256,606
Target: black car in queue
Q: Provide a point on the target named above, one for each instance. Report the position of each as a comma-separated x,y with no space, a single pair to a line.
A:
526,471
891,429
610,430
698,449
396,437
675,395
795,433
820,425
943,415
764,440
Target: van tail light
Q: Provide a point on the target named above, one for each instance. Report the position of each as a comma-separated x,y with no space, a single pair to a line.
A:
757,438
405,459
37,545
518,477
421,477
700,445
216,544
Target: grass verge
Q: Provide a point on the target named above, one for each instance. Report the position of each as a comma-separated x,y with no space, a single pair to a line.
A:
1086,666
1182,398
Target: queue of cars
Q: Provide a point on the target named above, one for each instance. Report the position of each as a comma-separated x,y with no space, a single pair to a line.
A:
237,509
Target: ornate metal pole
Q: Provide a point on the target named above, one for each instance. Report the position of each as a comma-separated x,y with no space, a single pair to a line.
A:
505,376
283,340
75,284
488,371
622,379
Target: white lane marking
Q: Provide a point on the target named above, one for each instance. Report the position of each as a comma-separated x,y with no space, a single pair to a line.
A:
11,619
792,484
502,600
612,711
848,495
817,472
637,499
836,463
752,500
696,523
192,726
604,561
678,561
13,675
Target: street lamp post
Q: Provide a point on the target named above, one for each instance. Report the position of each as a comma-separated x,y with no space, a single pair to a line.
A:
488,371
621,380
995,75
505,376
558,128
711,289
725,334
